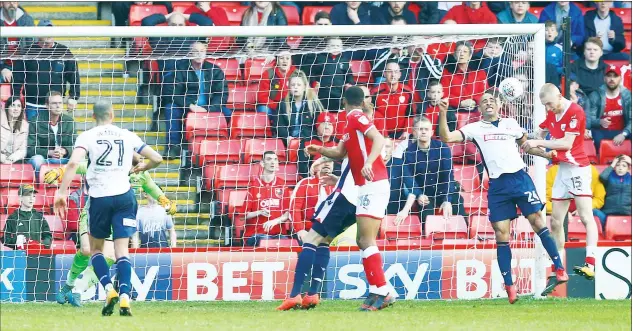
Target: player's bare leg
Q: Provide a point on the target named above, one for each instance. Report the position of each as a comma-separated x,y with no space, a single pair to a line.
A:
583,206
311,242
559,212
504,257
124,274
80,263
378,297
560,275
102,271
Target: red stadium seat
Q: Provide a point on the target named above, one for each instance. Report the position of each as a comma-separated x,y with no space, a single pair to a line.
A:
55,223
536,11
254,69
414,243
234,14
63,244
475,202
576,230
13,175
617,63
627,41
288,172
472,153
250,125
438,227
181,6
234,175
230,67
625,15
608,150
3,223
225,4
76,182
485,183
205,125
139,12
292,15
293,150
276,243
480,227
242,98
522,228
5,92
457,151
309,12
237,199
294,41
410,228
361,70
467,176
618,228
254,149
215,151
590,150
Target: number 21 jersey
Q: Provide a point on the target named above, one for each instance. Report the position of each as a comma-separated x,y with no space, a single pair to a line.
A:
110,152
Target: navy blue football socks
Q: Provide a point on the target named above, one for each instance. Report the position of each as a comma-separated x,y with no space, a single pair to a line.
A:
101,269
550,247
304,264
124,275
321,260
504,259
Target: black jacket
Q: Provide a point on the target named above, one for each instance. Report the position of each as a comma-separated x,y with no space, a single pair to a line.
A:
30,224
618,42
333,73
367,14
385,14
588,79
174,45
282,119
42,139
186,86
50,71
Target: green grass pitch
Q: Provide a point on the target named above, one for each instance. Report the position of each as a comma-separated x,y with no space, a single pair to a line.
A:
527,314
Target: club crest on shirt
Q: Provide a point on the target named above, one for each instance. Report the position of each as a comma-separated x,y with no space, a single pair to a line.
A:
573,123
563,126
279,192
363,120
402,99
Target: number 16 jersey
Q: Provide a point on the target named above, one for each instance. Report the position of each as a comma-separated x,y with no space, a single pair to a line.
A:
110,152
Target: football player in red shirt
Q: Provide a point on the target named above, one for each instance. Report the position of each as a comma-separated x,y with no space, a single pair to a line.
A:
565,122
266,203
363,144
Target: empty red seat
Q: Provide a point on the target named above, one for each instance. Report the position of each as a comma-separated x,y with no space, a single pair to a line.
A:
234,175
608,150
590,150
457,151
522,228
292,15
139,12
625,15
276,243
242,98
76,182
230,67
205,125
480,227
250,125
293,149
416,243
254,149
14,175
254,69
617,63
438,227
236,202
225,4
5,92
288,172
63,244
536,11
216,151
576,230
181,6
309,12
54,223
3,223
361,70
467,176
294,41
618,228
234,14
475,202
411,227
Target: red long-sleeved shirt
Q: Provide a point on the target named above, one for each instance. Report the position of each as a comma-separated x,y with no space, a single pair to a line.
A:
394,107
464,85
274,197
463,14
304,200
272,90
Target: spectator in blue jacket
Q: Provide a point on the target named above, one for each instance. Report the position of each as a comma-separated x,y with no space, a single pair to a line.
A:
606,25
430,163
553,49
617,183
355,12
391,9
561,9
517,13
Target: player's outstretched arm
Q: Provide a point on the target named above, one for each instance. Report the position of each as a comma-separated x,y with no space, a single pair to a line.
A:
54,176
446,134
563,144
78,155
339,152
154,191
154,160
536,151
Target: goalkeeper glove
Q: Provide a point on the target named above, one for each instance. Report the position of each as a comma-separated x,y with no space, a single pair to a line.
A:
169,206
54,176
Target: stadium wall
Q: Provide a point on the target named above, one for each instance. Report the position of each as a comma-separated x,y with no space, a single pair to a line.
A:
267,274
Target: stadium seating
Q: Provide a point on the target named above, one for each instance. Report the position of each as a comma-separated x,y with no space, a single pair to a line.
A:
590,150
410,228
414,243
608,150
250,125
232,175
467,176
236,200
292,15
293,150
225,4
576,230
5,92
63,244
242,98
618,228
438,227
480,227
3,222
181,6
215,151
76,182
205,125
230,67
361,71
254,149
309,12
536,11
139,12
13,175
56,225
234,14
288,172
294,41
625,15
276,243
475,202
254,69
522,228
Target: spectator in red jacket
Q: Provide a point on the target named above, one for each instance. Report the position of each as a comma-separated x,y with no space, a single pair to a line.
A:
273,86
394,103
464,83
266,203
473,12
308,193
324,137
216,14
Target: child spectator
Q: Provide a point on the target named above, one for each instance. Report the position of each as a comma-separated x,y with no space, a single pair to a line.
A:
617,181
153,224
606,25
556,11
464,83
553,49
431,109
296,113
331,71
590,70
324,137
14,131
273,86
517,13
26,227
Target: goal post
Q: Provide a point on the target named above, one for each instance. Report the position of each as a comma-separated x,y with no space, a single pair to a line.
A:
208,182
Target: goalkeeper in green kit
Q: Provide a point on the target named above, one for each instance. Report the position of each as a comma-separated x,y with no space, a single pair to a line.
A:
82,257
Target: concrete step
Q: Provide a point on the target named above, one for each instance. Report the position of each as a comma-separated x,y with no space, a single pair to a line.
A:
109,84
98,53
191,218
200,243
62,12
61,3
111,99
106,93
156,138
101,68
180,192
192,232
79,23
84,42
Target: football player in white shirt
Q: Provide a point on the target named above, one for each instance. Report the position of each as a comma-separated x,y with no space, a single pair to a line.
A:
113,206
498,140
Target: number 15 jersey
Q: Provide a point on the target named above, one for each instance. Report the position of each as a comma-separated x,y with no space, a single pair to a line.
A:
110,152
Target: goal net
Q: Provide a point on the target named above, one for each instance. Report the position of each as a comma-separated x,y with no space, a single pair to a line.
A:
231,108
